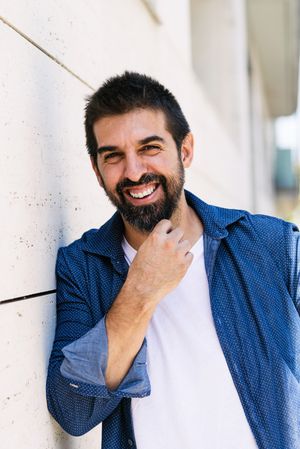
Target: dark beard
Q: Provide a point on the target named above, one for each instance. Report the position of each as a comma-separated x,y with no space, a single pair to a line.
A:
144,218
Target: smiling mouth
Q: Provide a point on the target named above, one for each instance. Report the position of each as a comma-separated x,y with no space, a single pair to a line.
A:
141,192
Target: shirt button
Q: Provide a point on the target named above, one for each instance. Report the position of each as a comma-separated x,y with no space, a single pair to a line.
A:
130,442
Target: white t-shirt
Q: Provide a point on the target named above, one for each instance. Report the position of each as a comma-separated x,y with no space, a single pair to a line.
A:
193,403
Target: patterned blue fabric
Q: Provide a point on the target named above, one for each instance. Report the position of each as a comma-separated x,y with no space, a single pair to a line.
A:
252,267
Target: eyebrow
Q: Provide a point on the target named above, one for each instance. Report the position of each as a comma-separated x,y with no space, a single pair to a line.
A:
107,148
151,139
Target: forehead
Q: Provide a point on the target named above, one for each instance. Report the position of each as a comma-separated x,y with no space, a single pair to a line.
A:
134,126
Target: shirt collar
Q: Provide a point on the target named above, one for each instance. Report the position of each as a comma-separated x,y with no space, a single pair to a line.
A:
107,241
214,219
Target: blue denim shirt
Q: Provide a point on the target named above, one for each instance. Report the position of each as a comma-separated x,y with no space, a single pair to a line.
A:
252,268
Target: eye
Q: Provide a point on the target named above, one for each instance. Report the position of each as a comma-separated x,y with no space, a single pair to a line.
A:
112,158
151,149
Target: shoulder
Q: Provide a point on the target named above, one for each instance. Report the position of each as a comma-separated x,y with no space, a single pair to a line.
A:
271,235
267,226
269,231
72,260
78,245
267,220
101,243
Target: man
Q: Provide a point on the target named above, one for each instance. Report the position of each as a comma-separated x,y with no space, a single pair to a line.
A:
196,302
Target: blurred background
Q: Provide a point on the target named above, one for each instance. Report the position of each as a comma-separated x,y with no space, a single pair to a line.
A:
232,64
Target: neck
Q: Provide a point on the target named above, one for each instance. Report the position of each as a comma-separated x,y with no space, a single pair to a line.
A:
183,217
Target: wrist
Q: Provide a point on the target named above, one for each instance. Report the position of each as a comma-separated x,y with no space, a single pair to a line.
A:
143,292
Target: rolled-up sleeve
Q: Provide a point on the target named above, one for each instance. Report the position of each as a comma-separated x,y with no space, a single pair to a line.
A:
85,363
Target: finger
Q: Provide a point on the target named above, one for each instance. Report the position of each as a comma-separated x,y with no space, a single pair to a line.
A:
189,258
176,234
163,226
185,246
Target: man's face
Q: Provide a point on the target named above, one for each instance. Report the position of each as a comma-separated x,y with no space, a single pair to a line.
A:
139,167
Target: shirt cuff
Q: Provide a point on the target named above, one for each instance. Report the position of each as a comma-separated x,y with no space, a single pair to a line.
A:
85,362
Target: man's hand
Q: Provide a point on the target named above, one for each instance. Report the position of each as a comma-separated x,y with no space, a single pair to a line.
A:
161,262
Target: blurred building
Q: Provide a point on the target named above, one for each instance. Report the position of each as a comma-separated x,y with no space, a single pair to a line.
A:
232,64
246,55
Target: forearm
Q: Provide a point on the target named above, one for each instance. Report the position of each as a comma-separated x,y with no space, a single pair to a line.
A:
126,326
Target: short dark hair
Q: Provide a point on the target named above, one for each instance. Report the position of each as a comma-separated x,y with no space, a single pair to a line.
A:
129,91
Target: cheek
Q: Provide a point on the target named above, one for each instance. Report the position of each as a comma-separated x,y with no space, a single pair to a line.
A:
162,164
169,167
109,177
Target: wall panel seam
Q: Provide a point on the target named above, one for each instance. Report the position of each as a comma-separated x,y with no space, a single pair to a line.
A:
56,60
30,296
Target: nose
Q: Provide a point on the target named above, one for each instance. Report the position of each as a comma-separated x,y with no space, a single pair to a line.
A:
134,167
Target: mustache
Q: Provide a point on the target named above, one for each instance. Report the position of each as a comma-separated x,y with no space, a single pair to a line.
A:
144,179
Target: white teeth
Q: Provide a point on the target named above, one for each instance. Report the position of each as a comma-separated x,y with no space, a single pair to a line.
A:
142,194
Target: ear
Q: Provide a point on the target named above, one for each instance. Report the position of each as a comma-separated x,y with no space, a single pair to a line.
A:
187,150
96,171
